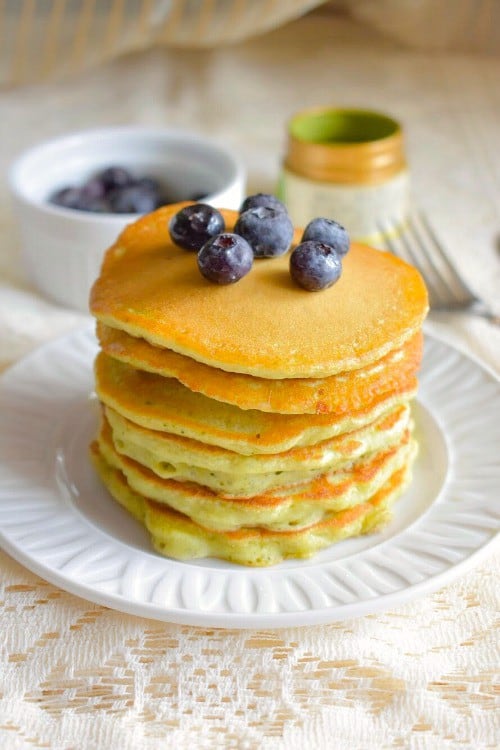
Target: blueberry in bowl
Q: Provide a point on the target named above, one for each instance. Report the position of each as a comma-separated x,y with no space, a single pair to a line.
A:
113,190
114,177
63,242
140,197
66,197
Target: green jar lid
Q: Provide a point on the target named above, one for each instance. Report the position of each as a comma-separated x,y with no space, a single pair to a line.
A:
353,146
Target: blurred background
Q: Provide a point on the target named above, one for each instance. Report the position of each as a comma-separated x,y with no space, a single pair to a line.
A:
236,70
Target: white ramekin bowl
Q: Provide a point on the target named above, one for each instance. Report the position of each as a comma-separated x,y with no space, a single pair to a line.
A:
62,248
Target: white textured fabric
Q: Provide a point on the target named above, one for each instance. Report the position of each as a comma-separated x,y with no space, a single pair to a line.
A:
76,676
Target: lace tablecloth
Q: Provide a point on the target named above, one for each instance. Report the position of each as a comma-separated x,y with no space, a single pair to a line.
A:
75,675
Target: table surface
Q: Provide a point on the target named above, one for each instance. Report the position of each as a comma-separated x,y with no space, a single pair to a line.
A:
77,675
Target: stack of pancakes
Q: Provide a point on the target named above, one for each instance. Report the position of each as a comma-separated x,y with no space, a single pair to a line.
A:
257,421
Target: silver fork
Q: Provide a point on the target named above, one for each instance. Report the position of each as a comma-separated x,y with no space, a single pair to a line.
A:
418,244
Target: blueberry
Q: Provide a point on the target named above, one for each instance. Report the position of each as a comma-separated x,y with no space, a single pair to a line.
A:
148,183
95,205
269,232
262,199
225,258
92,197
315,265
329,232
154,187
132,199
114,177
68,197
92,189
194,225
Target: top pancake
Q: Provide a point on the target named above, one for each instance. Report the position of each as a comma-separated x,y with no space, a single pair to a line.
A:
264,325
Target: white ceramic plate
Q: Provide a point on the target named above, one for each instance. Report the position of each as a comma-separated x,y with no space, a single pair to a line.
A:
58,521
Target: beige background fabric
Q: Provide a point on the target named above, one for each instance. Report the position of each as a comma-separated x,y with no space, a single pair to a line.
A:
76,676
49,39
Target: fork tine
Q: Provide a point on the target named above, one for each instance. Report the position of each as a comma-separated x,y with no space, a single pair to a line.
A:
444,294
412,245
399,246
456,284
421,259
393,242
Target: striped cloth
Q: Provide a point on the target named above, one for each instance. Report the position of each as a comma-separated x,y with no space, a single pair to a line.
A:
44,39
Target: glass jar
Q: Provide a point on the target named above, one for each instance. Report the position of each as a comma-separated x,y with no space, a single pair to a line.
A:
348,165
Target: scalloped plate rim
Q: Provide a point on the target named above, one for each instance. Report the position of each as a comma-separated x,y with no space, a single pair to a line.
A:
228,620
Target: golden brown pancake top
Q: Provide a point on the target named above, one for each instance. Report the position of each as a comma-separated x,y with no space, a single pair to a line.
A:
264,324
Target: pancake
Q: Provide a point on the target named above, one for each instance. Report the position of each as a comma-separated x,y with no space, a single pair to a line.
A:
253,421
155,449
175,535
339,394
247,486
166,405
280,509
264,325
